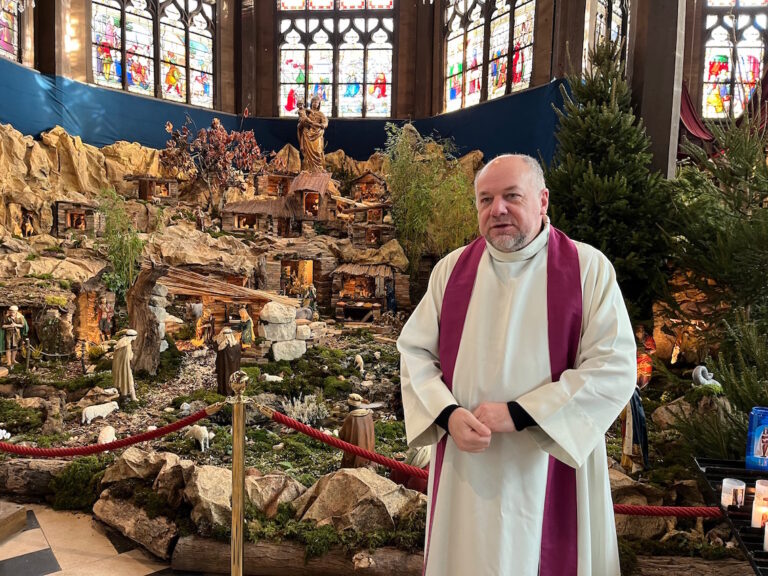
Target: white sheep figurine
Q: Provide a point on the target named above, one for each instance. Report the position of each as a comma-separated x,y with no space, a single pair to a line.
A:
201,436
359,364
107,435
98,411
270,378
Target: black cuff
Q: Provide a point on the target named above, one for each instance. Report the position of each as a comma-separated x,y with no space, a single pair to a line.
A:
442,420
520,417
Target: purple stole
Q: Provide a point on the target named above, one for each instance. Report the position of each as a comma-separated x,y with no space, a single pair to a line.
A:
559,540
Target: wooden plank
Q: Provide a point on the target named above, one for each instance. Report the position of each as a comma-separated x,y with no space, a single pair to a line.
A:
13,519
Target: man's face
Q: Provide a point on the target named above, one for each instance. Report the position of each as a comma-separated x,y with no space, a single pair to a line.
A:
510,206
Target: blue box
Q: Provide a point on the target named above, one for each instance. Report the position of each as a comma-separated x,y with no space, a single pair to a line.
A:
757,439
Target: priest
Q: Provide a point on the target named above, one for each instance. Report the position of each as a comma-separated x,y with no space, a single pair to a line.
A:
515,363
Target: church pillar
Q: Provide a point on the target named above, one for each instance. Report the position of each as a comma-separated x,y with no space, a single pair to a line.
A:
661,64
62,38
568,30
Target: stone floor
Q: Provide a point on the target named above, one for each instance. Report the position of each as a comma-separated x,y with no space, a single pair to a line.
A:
73,544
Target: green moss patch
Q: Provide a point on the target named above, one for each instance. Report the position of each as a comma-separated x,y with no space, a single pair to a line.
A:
77,486
16,420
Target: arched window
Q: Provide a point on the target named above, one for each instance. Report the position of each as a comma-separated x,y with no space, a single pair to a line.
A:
734,55
477,48
339,50
167,47
612,21
10,35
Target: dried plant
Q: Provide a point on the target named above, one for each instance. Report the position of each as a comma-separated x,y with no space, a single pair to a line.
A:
307,410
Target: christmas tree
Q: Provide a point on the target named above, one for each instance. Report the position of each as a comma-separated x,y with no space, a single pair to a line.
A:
602,191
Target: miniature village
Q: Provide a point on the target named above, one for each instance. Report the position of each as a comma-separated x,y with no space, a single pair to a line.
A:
135,282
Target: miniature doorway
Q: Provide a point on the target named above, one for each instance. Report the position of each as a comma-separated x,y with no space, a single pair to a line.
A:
312,204
296,276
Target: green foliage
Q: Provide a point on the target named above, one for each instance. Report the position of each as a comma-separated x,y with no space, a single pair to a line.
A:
122,244
56,301
602,191
720,202
77,486
717,434
15,419
87,381
95,353
432,196
65,284
186,332
408,533
31,257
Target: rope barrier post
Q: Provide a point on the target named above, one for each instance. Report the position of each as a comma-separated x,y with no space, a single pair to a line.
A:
238,472
29,352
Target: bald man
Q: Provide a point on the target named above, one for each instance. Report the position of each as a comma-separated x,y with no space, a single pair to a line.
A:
515,363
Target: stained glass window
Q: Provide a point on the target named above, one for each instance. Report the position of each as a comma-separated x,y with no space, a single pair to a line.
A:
167,47
612,21
480,36
338,50
9,32
734,55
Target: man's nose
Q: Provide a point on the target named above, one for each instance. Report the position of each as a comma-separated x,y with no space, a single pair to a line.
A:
498,207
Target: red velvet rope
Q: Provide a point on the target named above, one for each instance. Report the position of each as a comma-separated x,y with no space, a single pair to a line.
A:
347,447
96,448
678,511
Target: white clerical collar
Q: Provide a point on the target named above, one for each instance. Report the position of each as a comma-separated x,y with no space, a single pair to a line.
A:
524,253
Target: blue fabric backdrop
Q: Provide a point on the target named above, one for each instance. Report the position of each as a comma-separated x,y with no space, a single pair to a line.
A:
33,103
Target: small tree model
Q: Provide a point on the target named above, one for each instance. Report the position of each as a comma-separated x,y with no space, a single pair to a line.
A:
432,196
602,191
214,156
122,244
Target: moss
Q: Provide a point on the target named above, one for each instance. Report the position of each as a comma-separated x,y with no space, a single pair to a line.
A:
317,540
31,257
186,332
65,284
677,545
59,301
390,437
100,379
95,353
695,395
628,559
168,368
46,440
76,487
15,419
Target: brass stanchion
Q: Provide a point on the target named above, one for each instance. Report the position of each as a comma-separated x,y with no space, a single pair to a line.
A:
238,381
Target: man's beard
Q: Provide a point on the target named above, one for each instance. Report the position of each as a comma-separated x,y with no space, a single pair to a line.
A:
507,242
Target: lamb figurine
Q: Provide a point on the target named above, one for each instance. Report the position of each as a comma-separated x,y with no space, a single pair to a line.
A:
359,364
107,435
98,411
270,378
201,436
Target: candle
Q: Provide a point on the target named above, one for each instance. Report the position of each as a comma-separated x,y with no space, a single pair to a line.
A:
732,493
760,507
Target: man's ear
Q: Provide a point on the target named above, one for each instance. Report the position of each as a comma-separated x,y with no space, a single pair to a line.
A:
544,197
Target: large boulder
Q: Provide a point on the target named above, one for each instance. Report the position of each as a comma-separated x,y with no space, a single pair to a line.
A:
145,217
665,416
80,165
122,159
356,498
290,350
53,422
96,395
278,332
155,534
170,481
209,491
625,490
137,463
269,491
276,313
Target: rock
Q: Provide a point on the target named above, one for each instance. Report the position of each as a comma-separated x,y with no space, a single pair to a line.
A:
80,166
53,422
96,395
269,491
156,534
170,481
159,313
624,490
665,416
209,491
106,435
287,159
184,409
290,350
356,498
317,326
366,383
26,477
278,447
169,410
163,346
303,333
278,332
276,313
136,463
125,158
304,314
157,301
160,291
3,372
